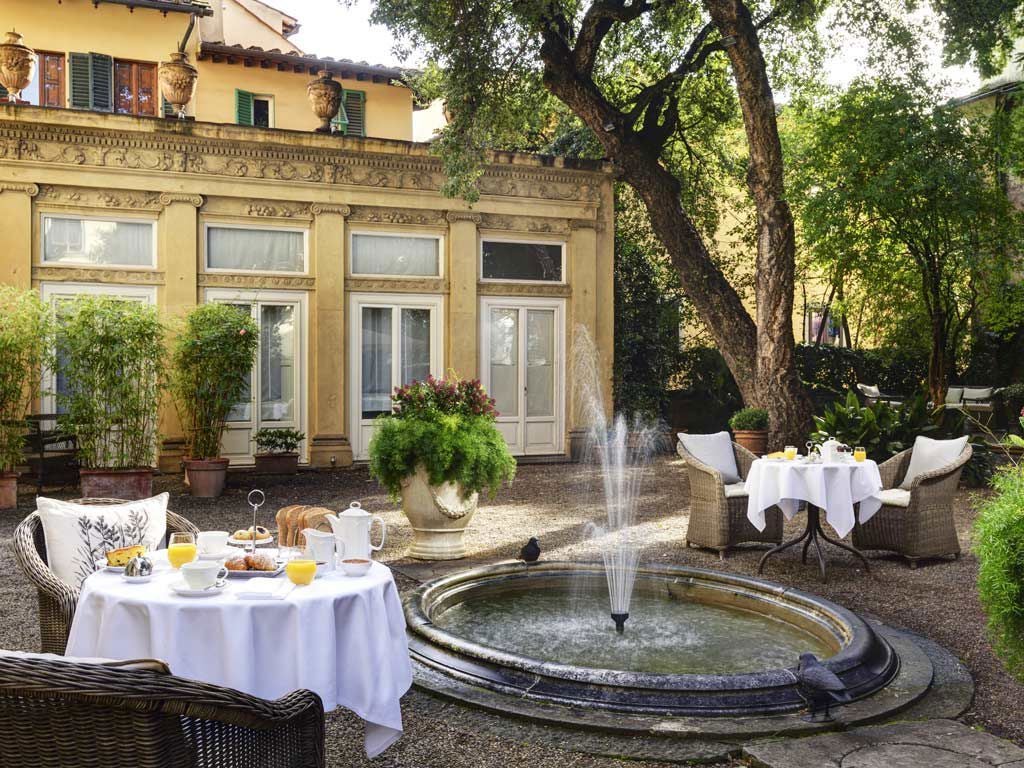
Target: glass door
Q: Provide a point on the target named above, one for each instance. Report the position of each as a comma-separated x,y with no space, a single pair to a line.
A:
396,341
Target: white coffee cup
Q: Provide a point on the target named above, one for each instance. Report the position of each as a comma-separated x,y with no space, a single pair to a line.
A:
200,574
212,542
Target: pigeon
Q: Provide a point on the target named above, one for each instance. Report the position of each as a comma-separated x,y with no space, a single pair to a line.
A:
530,552
819,686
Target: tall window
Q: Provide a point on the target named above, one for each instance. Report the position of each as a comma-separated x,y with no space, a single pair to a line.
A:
47,86
135,88
91,79
504,260
74,240
257,250
254,109
396,255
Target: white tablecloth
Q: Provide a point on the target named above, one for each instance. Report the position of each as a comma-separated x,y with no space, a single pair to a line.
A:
342,637
833,487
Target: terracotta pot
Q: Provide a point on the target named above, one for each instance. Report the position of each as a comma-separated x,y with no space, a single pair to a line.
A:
754,440
17,65
125,484
206,477
438,515
325,97
178,81
8,490
277,463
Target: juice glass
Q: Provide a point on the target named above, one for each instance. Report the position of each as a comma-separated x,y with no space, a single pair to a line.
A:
790,452
301,571
181,549
859,454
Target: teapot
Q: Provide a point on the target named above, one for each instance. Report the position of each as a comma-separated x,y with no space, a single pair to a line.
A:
352,532
319,546
830,450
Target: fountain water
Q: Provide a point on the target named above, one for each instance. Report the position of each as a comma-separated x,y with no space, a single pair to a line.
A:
624,455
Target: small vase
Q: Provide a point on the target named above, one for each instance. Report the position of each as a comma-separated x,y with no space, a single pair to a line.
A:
127,484
206,477
325,97
8,490
178,81
17,65
438,515
754,440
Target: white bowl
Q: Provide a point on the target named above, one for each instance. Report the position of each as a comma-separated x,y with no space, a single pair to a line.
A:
356,567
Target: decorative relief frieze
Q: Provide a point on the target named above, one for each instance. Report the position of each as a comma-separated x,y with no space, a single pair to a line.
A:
176,197
395,285
546,290
87,275
85,197
454,216
582,224
278,210
525,224
12,186
319,209
377,215
211,280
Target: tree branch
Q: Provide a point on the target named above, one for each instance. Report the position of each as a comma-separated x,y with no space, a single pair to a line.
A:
597,22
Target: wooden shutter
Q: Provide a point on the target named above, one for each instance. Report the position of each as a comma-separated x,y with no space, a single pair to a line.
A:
166,108
147,93
51,80
80,66
102,81
124,88
340,121
355,108
243,107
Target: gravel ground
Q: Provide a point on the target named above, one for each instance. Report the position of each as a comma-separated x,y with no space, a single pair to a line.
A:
554,503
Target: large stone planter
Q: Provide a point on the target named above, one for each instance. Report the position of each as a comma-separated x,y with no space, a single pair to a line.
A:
277,463
178,81
17,65
206,477
127,484
438,515
754,440
8,490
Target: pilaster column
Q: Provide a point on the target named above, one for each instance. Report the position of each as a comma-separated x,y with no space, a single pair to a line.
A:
461,332
583,276
329,445
178,258
16,215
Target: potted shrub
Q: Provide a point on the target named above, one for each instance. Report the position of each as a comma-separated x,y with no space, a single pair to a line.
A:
211,362
750,429
277,451
26,347
437,451
111,355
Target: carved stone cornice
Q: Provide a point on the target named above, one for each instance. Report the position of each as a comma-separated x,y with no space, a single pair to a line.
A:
547,290
396,285
318,209
12,186
575,224
212,280
381,215
87,197
97,275
177,197
529,224
454,216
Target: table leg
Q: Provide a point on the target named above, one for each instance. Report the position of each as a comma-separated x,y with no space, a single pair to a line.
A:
811,535
848,548
786,545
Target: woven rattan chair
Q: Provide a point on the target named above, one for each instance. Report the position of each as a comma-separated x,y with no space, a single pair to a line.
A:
58,599
58,714
923,529
720,522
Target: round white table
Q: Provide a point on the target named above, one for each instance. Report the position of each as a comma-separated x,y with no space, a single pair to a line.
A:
341,637
834,487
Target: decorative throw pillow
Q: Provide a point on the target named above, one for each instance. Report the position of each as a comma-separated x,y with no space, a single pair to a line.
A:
715,451
978,393
954,395
929,455
77,535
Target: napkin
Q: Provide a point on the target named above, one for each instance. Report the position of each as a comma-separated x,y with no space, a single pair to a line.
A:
262,588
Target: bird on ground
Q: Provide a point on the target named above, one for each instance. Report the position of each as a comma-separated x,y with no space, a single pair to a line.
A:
819,686
530,552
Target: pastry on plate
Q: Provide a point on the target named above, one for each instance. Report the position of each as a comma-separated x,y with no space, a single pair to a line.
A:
120,557
246,534
260,563
236,564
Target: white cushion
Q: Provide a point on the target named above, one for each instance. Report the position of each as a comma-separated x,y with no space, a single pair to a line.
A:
151,665
77,535
977,393
954,395
715,451
735,489
894,497
929,455
869,390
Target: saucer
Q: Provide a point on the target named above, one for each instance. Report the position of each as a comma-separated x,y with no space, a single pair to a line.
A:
224,554
137,579
182,589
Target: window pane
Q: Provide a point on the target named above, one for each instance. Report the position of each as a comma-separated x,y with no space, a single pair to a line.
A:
277,363
376,361
84,241
522,261
504,361
387,255
265,250
415,359
540,362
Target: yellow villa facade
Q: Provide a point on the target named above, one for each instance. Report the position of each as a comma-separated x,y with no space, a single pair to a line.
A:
359,272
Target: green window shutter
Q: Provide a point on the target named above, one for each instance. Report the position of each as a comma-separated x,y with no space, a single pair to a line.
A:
3,93
243,107
102,77
80,79
355,109
340,121
166,108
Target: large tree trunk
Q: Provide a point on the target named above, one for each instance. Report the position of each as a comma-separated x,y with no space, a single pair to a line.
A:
938,359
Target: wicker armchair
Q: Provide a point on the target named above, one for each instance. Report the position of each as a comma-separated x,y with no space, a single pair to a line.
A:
925,527
58,713
58,599
720,522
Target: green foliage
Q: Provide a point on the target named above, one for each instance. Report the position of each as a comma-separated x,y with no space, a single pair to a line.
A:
835,370
882,429
980,32
212,358
278,440
26,348
753,419
111,353
1012,399
999,545
446,426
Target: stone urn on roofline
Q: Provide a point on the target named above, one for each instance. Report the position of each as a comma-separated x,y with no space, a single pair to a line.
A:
17,65
178,81
325,97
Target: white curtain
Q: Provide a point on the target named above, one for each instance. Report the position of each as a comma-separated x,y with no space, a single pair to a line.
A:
84,241
415,359
540,362
376,357
388,255
264,250
505,361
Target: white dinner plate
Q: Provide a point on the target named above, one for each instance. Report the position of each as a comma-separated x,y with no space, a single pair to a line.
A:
101,565
137,579
182,589
246,542
222,555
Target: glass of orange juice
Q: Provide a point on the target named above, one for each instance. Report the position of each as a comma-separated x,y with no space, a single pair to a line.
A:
790,452
301,571
859,454
181,549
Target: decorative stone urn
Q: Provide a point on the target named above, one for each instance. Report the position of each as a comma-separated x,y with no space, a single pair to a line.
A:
325,97
438,515
17,65
178,81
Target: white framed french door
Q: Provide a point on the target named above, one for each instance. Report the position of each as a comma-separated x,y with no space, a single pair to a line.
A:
394,339
276,395
522,366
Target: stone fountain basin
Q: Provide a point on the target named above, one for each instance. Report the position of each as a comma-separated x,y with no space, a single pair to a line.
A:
862,659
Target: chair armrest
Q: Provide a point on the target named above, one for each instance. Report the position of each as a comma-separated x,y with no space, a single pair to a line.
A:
894,469
744,460
37,571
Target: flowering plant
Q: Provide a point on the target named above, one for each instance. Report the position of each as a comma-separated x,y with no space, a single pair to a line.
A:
457,396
